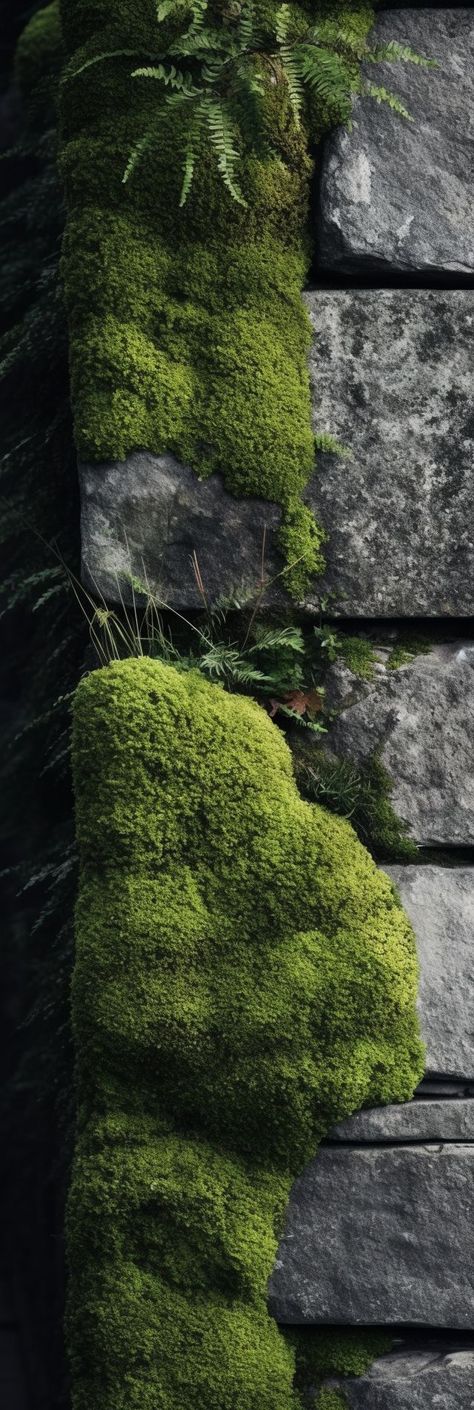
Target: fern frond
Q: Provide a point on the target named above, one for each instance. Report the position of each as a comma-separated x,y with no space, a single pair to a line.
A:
325,74
246,24
136,154
393,53
329,445
193,144
100,59
382,95
277,639
221,131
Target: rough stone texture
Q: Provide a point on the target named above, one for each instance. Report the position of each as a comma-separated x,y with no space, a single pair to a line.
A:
440,904
391,378
148,514
397,195
391,375
379,1235
427,1378
419,719
445,1120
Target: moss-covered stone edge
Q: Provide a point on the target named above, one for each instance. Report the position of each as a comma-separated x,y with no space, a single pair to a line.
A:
204,881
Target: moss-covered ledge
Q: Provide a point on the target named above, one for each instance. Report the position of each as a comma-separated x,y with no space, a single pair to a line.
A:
244,977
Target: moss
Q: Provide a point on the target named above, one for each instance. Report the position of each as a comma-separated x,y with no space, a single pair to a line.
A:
328,1399
359,655
361,792
188,332
406,648
244,976
38,62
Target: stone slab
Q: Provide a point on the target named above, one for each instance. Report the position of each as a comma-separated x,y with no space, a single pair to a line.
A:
391,372
146,516
391,377
396,195
428,1378
379,1235
440,904
419,720
444,1120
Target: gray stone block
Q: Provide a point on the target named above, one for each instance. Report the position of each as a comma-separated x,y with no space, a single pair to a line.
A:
426,1378
397,196
444,1120
440,904
419,719
391,378
379,1236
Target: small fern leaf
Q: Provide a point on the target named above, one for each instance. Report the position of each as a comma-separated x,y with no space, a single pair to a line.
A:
221,132
100,59
393,53
382,95
136,155
329,445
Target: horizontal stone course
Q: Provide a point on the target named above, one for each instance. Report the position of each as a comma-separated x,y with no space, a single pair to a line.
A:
419,720
379,1235
426,1378
451,1119
391,376
397,196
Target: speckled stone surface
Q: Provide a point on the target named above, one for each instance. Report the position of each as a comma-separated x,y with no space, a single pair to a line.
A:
396,196
391,378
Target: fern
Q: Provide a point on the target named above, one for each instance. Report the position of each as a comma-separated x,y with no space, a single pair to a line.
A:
329,445
217,71
382,95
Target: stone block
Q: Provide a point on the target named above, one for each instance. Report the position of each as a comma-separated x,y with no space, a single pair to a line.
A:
391,378
413,1379
395,195
419,721
440,904
379,1235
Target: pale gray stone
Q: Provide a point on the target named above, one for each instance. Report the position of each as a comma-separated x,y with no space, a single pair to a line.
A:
440,904
397,195
426,1378
444,1120
391,378
391,372
379,1235
419,721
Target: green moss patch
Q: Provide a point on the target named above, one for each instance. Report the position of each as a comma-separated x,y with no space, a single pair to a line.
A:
244,976
188,331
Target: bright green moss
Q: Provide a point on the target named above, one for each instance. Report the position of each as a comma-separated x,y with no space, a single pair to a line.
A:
187,327
359,654
244,977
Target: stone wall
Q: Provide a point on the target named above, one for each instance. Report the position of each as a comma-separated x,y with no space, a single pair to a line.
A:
380,1226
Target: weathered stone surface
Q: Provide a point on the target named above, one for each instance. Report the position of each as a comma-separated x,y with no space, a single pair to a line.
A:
419,719
391,378
379,1235
397,195
445,1120
148,514
391,375
422,1379
440,904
